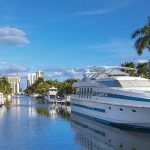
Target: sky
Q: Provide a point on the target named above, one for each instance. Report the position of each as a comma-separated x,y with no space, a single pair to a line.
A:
61,37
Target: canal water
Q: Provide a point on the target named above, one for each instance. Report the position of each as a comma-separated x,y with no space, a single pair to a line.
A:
31,124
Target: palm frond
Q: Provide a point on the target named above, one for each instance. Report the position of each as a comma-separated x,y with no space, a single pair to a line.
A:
136,33
142,36
142,43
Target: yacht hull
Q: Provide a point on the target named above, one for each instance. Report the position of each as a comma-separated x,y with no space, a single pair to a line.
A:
131,116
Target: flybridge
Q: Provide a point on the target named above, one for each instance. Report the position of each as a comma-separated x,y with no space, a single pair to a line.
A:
105,72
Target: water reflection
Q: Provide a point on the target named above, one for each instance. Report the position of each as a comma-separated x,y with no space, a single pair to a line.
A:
22,104
54,110
92,135
3,111
27,124
35,124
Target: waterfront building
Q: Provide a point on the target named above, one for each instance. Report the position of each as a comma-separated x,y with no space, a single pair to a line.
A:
39,74
31,78
14,82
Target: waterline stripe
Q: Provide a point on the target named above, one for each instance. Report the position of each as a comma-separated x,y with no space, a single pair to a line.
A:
88,107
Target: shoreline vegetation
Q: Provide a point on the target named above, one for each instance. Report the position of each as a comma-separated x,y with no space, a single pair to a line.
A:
41,87
6,89
137,70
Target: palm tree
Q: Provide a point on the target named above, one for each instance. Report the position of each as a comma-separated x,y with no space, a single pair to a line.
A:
142,36
142,70
130,68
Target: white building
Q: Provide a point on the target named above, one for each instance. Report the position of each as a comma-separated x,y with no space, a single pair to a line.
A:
39,74
31,78
14,82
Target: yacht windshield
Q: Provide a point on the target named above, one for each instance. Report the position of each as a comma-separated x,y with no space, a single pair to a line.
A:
134,83
110,83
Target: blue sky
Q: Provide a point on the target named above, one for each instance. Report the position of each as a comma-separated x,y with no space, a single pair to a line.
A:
61,35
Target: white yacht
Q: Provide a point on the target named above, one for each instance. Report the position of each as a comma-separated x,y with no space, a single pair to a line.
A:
2,99
53,96
114,97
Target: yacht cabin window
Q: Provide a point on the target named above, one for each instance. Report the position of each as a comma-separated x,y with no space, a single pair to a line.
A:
110,83
85,92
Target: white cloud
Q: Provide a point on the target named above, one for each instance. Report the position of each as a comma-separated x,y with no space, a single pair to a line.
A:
7,68
103,10
96,12
2,62
12,36
64,73
142,61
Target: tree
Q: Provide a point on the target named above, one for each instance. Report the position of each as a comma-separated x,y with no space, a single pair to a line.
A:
142,70
5,87
66,86
129,65
40,87
142,37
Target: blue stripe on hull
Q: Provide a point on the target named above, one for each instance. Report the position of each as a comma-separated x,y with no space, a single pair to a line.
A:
109,123
88,107
122,97
126,97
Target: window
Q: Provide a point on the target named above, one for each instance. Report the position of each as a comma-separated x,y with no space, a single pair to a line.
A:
121,109
88,92
84,92
100,94
91,91
79,92
94,93
110,83
133,110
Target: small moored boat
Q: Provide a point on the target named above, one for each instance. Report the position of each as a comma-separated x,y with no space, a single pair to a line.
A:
2,99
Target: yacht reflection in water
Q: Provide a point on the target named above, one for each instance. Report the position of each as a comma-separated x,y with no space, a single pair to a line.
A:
55,110
92,135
